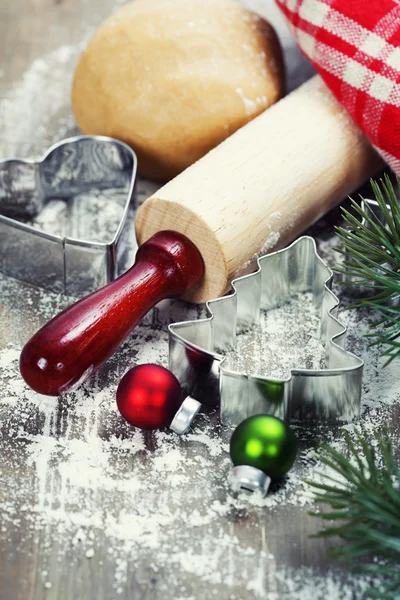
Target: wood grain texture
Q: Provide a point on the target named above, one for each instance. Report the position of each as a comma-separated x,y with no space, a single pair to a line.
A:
269,181
31,554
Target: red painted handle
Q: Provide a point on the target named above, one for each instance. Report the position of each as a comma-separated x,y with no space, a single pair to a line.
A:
79,340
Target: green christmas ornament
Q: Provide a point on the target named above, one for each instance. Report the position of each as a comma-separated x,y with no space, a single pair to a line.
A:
262,448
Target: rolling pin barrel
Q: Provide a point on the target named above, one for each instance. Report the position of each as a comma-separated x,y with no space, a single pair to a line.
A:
269,181
265,184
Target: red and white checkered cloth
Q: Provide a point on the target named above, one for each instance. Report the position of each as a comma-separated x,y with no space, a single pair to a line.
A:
355,46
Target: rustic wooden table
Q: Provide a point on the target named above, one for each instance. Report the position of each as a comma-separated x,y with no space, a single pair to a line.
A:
88,508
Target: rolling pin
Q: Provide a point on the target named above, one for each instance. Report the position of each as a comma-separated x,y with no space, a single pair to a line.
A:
262,186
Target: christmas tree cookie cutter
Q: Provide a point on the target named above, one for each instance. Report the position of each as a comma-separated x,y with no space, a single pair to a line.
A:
197,348
72,168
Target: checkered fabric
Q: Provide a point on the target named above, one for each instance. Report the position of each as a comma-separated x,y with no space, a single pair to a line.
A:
355,46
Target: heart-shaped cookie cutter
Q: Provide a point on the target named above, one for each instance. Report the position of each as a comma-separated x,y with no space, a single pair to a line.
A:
196,347
78,165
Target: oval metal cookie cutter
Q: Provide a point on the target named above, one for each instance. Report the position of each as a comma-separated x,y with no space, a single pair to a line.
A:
74,169
196,347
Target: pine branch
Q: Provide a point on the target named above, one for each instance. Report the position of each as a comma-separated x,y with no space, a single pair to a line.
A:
365,509
371,247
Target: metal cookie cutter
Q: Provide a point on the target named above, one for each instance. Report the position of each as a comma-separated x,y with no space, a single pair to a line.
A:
197,347
75,171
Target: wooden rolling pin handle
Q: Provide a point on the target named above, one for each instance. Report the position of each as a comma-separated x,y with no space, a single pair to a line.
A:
79,340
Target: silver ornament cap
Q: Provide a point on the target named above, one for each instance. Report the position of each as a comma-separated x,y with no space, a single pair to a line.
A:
244,478
185,415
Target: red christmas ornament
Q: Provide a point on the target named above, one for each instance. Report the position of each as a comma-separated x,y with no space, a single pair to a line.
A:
148,396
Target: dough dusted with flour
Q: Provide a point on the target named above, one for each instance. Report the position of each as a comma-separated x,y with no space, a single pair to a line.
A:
173,78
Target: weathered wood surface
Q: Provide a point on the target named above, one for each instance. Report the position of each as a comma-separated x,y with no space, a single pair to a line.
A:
39,560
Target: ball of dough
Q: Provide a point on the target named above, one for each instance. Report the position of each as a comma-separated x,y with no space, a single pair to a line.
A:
174,78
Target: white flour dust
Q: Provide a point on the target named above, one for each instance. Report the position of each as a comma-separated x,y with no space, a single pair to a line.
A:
96,478
285,338
77,480
28,125
92,216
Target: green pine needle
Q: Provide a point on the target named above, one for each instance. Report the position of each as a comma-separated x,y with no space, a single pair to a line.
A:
364,503
372,260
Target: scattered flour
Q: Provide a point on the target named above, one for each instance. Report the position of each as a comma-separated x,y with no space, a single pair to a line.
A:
93,216
81,484
26,124
285,338
156,498
249,105
271,241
